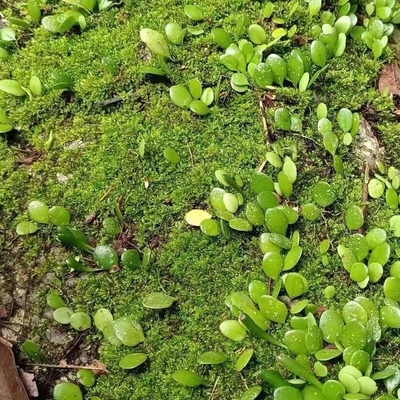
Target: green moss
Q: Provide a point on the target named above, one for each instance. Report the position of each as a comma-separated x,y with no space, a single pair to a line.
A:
96,148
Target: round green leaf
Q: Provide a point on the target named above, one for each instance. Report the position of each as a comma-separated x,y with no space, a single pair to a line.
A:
101,317
260,182
171,155
380,254
272,264
199,107
158,301
155,41
358,272
375,237
209,227
375,188
257,34
244,359
310,212
267,199
391,288
12,87
292,258
221,37
195,217
233,330
212,358
295,284
67,391
193,12
180,96
32,350
175,33
105,256
63,315
319,53
345,118
195,88
130,259
333,390
353,334
375,272
323,194
327,354
276,221
59,215
279,68
240,224
38,212
254,214
282,119
55,301
207,96
390,316
324,126
80,321
109,333
273,309
331,324
128,331
86,377
263,75
286,393
26,228
132,360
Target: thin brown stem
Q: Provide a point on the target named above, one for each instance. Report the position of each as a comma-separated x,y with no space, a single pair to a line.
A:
69,366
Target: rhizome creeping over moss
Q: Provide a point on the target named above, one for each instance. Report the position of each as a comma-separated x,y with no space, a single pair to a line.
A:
95,148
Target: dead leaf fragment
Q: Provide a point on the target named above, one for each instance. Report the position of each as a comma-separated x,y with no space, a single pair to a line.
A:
389,79
11,387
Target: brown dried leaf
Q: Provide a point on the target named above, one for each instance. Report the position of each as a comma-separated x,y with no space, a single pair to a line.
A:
102,367
29,383
11,387
389,79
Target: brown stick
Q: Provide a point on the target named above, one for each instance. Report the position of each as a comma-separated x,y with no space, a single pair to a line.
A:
69,366
264,122
214,387
106,194
261,167
365,194
191,155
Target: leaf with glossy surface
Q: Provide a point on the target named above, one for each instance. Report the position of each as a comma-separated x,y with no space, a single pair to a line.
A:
128,331
354,217
273,309
233,330
180,96
12,87
251,393
244,359
319,53
63,315
106,257
26,228
188,378
80,321
193,12
175,33
132,360
212,358
158,301
155,41
323,194
67,391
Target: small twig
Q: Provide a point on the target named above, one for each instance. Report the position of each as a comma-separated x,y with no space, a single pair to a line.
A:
106,194
191,155
261,167
365,193
213,389
264,122
69,366
307,138
244,381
